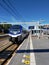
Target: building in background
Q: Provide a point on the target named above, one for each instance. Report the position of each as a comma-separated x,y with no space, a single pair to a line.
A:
36,30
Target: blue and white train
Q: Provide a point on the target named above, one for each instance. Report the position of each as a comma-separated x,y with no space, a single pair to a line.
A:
17,33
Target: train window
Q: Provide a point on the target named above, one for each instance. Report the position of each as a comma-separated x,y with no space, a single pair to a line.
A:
15,27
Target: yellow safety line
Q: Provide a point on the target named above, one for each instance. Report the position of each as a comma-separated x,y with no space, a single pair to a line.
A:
26,62
27,56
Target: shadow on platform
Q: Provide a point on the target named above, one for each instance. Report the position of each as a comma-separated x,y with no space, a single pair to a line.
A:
33,51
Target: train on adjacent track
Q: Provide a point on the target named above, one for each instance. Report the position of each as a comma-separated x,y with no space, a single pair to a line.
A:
17,33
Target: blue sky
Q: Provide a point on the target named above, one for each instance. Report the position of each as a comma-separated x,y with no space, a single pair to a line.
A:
24,10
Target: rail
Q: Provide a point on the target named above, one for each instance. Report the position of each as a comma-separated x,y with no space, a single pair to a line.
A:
7,53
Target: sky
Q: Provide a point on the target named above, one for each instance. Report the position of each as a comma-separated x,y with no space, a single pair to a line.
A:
13,11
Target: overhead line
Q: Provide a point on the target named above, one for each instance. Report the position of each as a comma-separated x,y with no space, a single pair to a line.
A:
7,10
16,10
9,6
12,9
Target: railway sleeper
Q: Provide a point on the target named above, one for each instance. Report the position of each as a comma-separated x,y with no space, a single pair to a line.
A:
8,55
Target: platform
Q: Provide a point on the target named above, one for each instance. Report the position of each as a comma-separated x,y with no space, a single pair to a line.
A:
32,52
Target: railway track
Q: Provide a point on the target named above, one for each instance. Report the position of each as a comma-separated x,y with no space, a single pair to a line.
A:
7,50
4,38
3,46
7,53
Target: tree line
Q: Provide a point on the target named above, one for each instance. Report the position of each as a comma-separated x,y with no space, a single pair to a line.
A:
4,28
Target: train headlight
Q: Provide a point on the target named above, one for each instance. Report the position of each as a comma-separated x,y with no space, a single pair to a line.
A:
18,31
15,32
11,31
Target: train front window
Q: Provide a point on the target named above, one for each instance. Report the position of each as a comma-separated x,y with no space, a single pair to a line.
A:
15,27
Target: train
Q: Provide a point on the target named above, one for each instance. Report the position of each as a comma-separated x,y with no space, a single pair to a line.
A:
17,33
